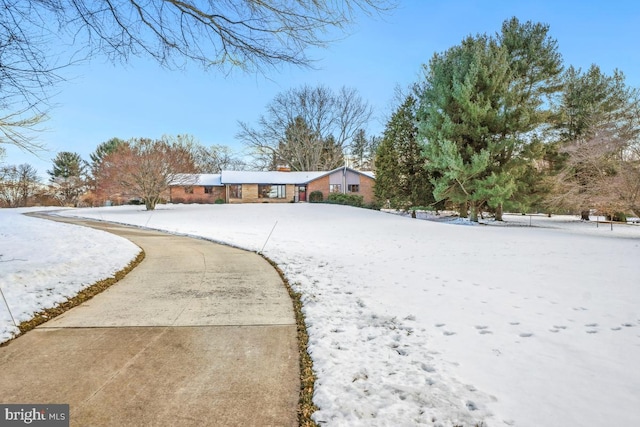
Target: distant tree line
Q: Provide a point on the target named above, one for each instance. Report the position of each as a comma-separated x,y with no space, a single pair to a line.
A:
118,171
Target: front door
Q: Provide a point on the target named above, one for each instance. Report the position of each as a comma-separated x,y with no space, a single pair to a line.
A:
302,193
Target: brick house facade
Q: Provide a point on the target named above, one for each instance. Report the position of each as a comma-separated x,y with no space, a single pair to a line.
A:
271,186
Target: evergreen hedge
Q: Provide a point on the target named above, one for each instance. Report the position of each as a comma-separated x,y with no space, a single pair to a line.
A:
316,197
345,199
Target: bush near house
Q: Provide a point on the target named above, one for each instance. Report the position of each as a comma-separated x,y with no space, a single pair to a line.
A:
315,197
345,199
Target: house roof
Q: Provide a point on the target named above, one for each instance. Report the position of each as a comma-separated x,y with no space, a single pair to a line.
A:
276,177
257,177
212,179
269,177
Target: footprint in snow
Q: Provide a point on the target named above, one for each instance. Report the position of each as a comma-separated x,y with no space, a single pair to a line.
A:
525,335
628,325
427,368
440,325
449,333
592,331
484,332
514,323
481,327
559,327
617,328
591,325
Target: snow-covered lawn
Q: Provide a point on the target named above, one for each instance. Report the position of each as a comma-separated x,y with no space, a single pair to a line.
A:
417,322
43,263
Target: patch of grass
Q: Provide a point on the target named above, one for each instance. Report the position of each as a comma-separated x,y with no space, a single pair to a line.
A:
306,408
82,296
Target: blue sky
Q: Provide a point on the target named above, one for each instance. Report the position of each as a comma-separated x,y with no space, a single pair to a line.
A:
101,100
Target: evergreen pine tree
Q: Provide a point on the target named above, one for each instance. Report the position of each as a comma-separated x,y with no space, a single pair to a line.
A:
481,106
68,176
385,188
104,149
401,175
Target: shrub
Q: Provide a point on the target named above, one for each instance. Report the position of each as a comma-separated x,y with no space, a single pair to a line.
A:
219,201
345,199
618,216
316,197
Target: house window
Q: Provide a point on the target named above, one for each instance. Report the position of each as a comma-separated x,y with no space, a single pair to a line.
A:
188,190
208,189
335,188
235,191
271,191
353,188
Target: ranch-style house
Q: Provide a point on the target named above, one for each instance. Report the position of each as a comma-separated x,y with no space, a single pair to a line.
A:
270,186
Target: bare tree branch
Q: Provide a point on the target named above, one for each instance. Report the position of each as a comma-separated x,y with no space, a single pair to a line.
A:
306,128
251,35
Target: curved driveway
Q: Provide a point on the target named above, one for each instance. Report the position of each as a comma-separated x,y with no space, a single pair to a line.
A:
198,334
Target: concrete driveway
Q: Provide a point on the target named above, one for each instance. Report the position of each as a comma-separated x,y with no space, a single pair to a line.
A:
198,334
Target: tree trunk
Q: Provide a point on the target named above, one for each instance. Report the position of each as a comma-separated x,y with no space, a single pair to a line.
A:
462,210
150,203
499,212
474,211
584,215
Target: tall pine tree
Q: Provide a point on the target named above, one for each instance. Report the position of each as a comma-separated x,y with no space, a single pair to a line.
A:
68,177
401,175
481,106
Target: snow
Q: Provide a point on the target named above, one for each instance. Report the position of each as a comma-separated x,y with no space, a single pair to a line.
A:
415,322
212,179
269,177
278,177
43,263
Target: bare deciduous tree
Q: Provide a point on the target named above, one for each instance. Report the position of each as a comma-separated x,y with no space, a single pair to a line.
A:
601,172
18,184
599,129
249,34
143,168
19,128
212,159
27,71
216,158
302,125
